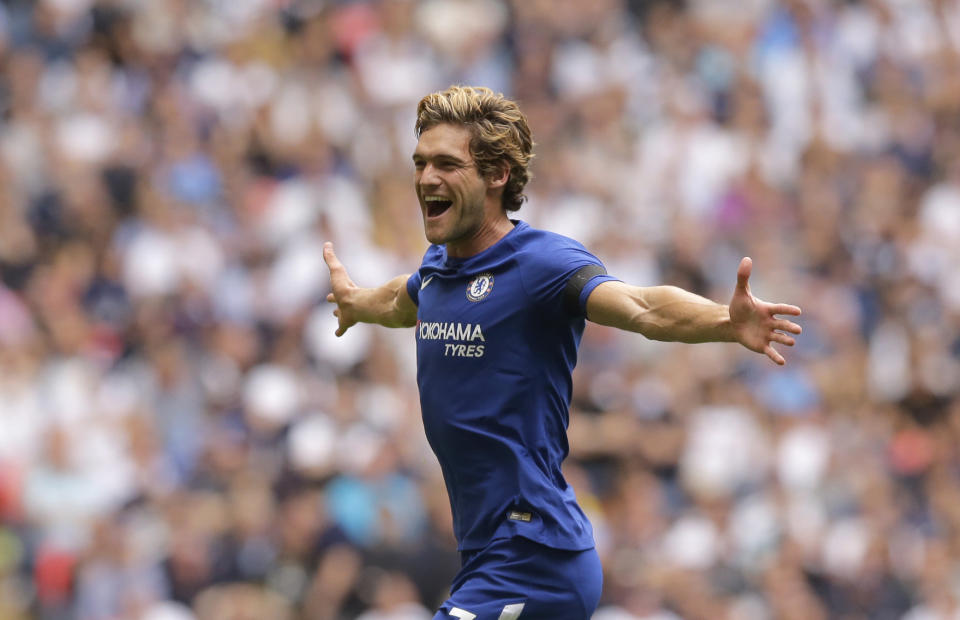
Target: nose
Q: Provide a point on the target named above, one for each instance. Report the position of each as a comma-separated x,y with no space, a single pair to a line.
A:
428,177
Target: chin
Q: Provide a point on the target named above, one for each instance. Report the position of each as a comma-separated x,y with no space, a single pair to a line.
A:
436,237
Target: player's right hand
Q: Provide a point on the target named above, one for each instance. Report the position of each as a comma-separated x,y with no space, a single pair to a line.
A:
343,290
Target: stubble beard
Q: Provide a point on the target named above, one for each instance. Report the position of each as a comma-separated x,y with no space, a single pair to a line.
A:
461,228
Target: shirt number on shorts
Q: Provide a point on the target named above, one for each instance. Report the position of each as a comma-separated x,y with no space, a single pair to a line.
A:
510,612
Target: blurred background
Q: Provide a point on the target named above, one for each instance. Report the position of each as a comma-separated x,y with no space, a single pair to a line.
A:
183,438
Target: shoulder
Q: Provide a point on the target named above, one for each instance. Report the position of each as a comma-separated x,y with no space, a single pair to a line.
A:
544,244
542,249
432,261
546,261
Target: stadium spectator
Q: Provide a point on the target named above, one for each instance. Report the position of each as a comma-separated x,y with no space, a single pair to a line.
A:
170,170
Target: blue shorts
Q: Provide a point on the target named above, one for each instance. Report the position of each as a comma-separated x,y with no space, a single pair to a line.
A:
518,579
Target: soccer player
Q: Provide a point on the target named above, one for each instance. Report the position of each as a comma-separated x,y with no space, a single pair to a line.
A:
499,309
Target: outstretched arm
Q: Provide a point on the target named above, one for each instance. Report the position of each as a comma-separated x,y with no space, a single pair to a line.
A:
389,305
671,313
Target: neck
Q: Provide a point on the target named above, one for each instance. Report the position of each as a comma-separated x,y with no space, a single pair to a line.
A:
492,229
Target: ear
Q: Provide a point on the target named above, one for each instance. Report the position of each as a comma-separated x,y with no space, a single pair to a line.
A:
499,177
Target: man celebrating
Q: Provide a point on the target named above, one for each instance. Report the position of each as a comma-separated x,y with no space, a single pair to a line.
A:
499,309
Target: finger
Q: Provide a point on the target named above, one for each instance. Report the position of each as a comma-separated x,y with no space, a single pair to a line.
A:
783,339
341,331
788,326
785,309
743,273
338,274
329,256
331,298
773,355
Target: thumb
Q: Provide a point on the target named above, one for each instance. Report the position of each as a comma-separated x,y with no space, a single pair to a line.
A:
743,274
329,257
338,273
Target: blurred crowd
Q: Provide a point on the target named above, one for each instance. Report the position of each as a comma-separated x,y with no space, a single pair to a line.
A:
183,438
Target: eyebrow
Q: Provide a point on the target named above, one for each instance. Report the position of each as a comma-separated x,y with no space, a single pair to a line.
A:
440,156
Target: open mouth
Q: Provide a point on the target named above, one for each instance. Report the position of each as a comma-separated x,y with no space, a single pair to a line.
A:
437,206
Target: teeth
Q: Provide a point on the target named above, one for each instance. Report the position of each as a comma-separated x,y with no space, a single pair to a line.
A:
434,198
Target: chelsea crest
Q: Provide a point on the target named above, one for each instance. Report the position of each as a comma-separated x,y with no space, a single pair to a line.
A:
480,287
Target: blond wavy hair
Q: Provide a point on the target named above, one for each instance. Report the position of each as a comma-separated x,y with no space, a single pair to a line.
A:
500,133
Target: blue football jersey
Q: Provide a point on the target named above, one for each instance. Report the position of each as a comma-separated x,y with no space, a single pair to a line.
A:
496,346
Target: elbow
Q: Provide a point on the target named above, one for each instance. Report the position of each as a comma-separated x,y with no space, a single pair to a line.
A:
657,327
643,322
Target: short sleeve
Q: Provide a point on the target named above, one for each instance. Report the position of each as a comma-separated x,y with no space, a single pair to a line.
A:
591,284
548,268
413,287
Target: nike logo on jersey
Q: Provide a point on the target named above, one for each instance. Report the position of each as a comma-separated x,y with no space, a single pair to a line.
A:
424,284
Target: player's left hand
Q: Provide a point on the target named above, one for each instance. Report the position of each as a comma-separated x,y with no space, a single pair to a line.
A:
755,322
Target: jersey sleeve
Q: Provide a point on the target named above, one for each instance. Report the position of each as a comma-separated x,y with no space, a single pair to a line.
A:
413,286
561,270
430,258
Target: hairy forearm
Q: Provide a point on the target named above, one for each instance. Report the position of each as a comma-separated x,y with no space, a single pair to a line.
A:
386,305
664,313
